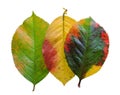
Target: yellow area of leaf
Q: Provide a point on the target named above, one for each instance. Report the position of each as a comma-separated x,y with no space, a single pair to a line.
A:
93,70
18,64
55,35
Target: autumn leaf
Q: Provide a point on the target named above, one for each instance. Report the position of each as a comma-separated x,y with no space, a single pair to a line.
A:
27,49
86,48
53,48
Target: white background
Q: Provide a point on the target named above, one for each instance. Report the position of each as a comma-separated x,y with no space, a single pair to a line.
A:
105,12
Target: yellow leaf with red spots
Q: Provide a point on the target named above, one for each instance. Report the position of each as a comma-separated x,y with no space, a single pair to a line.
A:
53,48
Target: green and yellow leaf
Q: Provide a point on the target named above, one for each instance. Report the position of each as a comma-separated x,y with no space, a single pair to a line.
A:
27,49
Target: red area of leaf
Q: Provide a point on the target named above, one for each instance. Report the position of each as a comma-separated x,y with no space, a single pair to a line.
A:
96,25
105,38
74,31
49,54
68,42
105,52
66,48
100,64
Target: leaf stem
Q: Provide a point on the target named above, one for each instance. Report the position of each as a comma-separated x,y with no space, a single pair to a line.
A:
33,87
79,83
65,12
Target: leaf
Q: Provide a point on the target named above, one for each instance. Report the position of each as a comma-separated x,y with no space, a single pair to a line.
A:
53,48
86,48
27,49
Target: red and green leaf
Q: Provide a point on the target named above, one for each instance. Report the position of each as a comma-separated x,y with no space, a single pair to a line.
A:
86,48
27,49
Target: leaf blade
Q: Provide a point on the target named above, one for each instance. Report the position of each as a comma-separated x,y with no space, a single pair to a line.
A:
54,49
86,48
27,49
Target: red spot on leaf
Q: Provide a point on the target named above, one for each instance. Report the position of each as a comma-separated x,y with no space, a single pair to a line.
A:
105,52
96,25
99,63
75,31
105,39
68,42
49,54
66,48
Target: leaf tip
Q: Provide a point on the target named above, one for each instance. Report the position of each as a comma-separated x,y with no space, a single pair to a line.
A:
91,18
33,13
64,84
